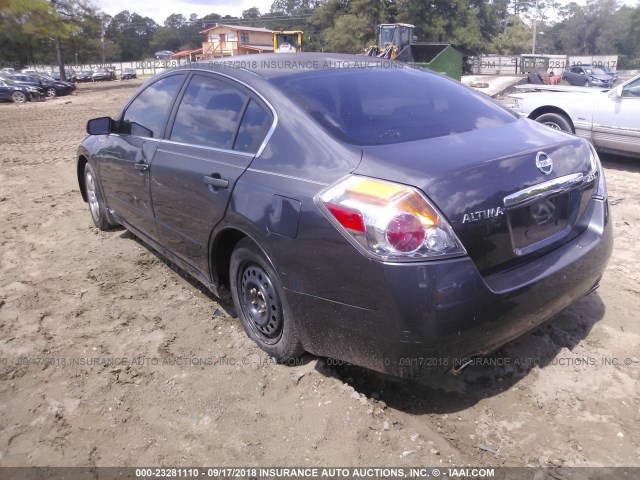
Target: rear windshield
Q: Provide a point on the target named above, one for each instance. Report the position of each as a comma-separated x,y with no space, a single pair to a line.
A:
382,106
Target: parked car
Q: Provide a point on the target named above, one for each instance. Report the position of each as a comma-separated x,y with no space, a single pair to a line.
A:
588,76
70,75
609,119
164,54
405,232
611,72
84,76
52,88
7,70
100,74
10,91
128,73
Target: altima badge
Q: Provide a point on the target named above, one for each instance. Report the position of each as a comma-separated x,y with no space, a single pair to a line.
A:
544,163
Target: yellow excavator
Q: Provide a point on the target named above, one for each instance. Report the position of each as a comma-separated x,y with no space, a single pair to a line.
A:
395,41
287,41
392,38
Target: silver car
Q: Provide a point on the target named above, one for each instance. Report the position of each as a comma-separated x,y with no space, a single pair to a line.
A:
609,119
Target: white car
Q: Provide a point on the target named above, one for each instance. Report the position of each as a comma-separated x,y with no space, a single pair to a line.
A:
609,119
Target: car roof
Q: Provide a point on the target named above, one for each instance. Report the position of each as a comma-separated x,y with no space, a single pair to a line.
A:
272,65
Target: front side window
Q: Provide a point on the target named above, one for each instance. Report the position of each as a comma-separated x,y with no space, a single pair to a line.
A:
632,89
148,113
209,113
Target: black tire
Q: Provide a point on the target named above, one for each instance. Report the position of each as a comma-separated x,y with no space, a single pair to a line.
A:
260,303
19,97
97,208
556,121
51,92
587,84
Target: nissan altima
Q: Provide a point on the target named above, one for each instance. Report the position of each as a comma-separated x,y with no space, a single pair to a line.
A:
356,209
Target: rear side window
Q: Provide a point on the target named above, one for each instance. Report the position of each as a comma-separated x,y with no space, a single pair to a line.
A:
255,124
382,106
148,113
209,113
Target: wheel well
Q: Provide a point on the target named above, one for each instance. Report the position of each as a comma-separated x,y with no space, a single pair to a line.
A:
549,109
82,161
221,255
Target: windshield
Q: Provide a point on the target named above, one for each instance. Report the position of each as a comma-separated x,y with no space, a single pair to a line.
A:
369,106
594,71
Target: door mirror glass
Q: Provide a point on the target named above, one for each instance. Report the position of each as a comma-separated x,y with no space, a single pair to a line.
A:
99,126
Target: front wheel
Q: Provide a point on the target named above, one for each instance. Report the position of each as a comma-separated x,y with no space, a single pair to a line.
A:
18,97
587,84
555,121
97,207
51,92
260,303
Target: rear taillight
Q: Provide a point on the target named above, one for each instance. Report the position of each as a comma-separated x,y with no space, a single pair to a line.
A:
597,170
388,220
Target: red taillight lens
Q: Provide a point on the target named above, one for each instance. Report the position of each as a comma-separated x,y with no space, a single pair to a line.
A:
349,218
405,233
388,220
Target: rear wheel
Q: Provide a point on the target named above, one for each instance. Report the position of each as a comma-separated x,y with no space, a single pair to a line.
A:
260,302
18,97
97,207
555,121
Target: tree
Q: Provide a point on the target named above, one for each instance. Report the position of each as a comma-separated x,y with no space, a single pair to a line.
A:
132,33
349,34
515,39
54,20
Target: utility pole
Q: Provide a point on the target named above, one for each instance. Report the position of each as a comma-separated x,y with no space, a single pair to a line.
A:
535,27
102,39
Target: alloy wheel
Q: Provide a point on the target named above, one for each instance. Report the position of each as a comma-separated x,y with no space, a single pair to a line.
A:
92,197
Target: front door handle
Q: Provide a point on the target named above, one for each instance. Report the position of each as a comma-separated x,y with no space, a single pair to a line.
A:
215,181
141,166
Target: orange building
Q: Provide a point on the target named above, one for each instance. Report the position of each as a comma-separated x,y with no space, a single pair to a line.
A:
232,40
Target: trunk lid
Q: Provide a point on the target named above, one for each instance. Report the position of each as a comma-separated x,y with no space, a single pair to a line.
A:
489,184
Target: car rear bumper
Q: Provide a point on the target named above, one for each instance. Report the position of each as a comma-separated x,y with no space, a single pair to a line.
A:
439,314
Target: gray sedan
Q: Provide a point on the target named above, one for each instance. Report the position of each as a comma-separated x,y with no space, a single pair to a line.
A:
354,208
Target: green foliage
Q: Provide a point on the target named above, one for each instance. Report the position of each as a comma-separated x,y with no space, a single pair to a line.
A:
515,38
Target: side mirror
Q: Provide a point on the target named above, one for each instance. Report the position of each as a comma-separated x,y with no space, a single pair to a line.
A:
99,126
618,92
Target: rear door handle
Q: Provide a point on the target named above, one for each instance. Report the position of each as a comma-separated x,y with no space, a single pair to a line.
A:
215,181
141,166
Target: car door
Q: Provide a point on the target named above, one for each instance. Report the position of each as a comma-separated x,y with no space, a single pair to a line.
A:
5,91
217,128
125,156
616,121
575,77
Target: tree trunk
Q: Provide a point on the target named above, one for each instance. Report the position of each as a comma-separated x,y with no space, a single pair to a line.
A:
63,76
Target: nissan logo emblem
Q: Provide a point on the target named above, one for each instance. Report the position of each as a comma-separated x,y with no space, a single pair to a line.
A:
544,163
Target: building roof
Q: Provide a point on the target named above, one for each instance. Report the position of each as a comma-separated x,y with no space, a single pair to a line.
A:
183,53
258,48
238,28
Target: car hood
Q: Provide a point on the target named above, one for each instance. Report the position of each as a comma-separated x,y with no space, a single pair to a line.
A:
468,176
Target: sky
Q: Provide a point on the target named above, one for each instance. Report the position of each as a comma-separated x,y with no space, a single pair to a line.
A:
159,10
